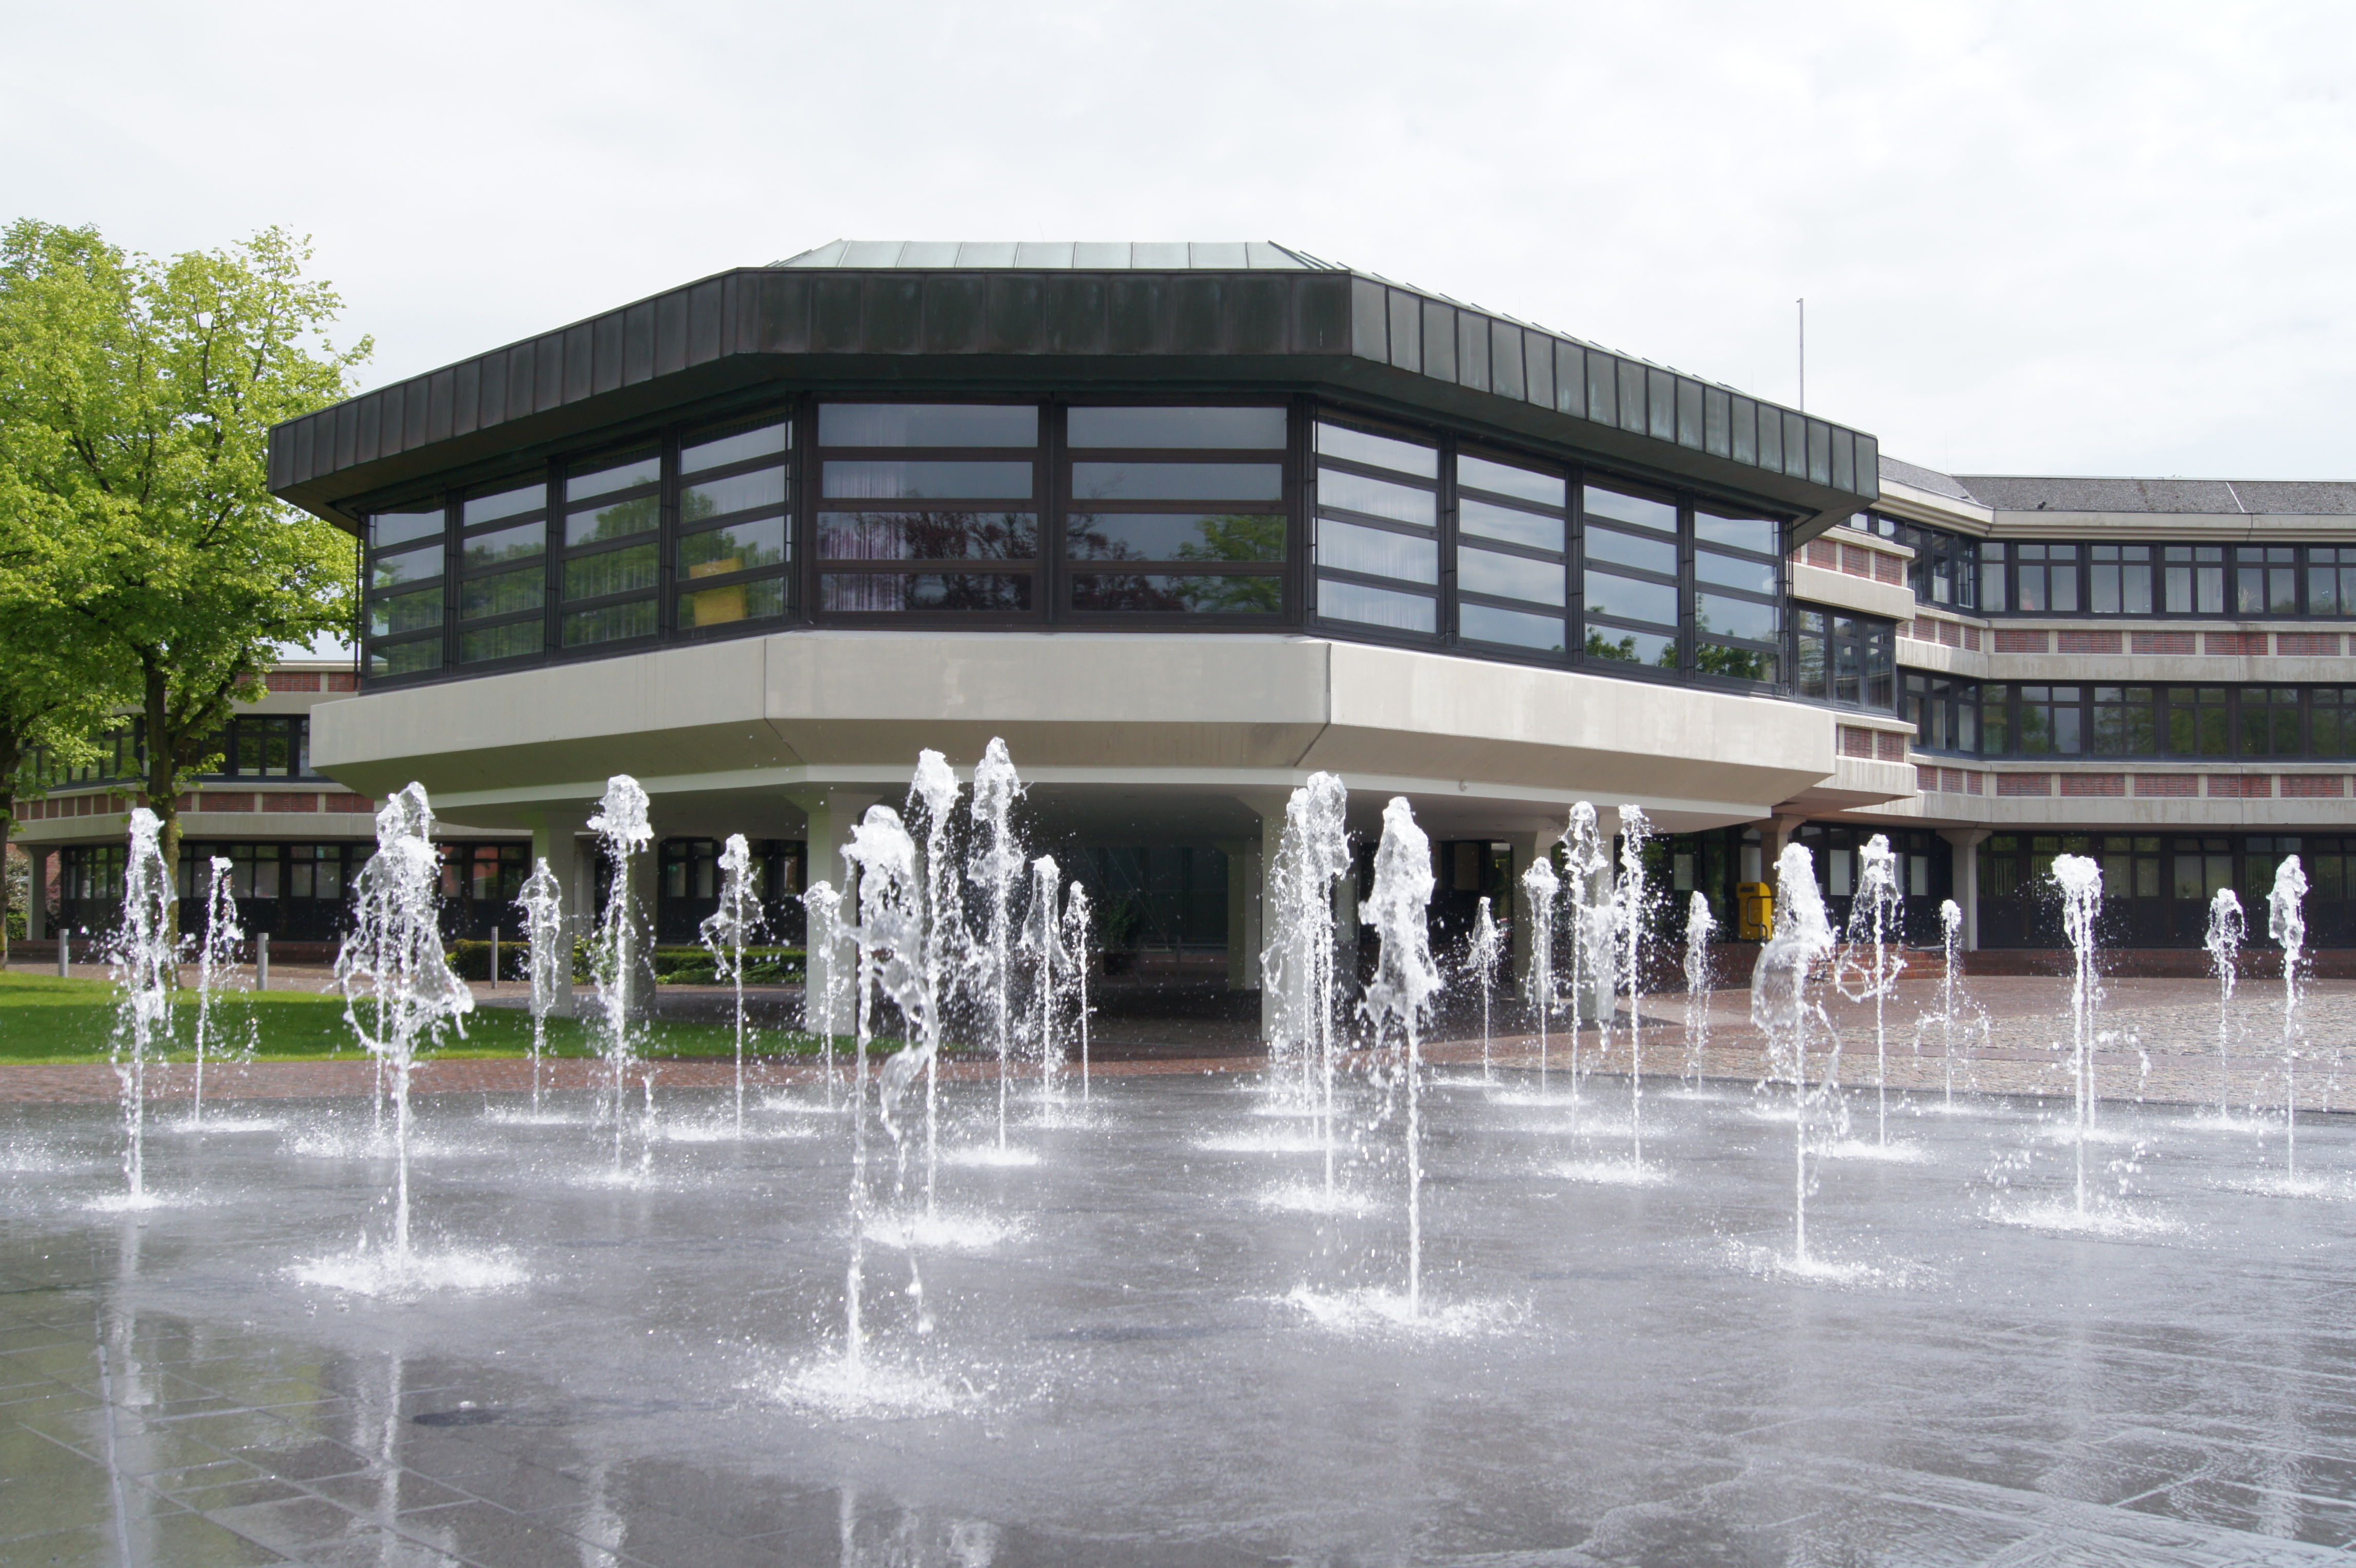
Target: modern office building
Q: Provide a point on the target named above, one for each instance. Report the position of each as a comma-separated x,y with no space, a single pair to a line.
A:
1183,523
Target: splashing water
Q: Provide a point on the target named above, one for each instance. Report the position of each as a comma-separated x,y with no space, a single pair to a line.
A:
1594,983
147,969
1043,939
997,864
214,961
1405,981
890,938
934,787
399,990
1700,926
1298,964
622,829
1543,888
1483,954
1783,1007
2286,924
2228,930
1076,928
724,932
1631,916
826,969
1953,1000
1871,961
550,959
2080,882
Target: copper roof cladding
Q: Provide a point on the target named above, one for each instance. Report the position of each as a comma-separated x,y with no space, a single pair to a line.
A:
880,316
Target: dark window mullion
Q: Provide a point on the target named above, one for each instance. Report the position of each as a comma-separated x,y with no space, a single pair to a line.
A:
1444,521
552,639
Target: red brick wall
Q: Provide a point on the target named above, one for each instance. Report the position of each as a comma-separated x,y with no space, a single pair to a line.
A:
2013,640
2241,785
2089,642
347,804
2314,786
2307,644
2024,783
1854,742
2167,784
289,681
1889,746
2245,644
2094,783
2162,642
290,802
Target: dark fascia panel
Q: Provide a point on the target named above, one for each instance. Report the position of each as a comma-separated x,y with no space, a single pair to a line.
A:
881,329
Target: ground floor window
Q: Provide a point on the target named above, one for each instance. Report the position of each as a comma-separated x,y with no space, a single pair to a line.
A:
2157,887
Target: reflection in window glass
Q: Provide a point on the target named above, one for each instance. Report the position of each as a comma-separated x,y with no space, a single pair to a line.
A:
1625,599
1746,619
1735,572
2330,580
1762,535
513,640
741,448
1376,606
612,572
738,492
1632,647
502,593
619,521
1505,479
1173,536
2118,579
1177,481
1515,629
1378,451
2193,577
895,592
1735,663
1378,497
496,504
606,475
739,547
1631,550
583,628
390,528
1177,427
1490,520
1510,577
397,613
408,566
1346,546
886,480
928,536
507,544
1175,594
406,657
927,425
1621,507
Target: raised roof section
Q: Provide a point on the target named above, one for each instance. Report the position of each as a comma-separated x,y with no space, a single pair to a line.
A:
2224,498
1052,255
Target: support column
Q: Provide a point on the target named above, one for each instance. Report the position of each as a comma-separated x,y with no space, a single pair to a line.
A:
832,813
1346,934
36,899
1246,923
1966,843
555,843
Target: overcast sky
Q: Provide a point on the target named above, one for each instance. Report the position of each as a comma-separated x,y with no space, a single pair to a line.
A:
2064,239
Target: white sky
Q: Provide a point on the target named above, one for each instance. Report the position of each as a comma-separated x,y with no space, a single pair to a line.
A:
2073,238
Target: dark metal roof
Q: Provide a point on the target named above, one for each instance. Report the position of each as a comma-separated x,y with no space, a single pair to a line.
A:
2227,498
1062,255
1277,318
1923,478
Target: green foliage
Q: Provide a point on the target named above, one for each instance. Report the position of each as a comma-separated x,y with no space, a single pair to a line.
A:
693,966
137,530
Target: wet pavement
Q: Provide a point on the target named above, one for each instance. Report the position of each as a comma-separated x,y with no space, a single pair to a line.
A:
1152,1341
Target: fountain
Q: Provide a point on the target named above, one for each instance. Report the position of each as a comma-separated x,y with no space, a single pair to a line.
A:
1483,954
1297,971
1876,921
147,964
2228,928
997,865
1405,981
723,932
826,988
1632,911
1594,980
1700,926
2286,924
1783,1007
621,826
1543,888
934,787
1043,939
391,966
2080,880
216,957
550,958
1951,940
1079,944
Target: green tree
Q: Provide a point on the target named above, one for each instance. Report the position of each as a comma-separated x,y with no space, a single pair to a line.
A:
137,398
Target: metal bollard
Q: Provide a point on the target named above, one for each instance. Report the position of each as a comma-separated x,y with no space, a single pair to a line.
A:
261,961
495,957
65,952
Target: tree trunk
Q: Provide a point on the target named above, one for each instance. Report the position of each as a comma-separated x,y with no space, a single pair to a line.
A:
12,756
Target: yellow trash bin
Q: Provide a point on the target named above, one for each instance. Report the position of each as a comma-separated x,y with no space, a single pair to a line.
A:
1755,911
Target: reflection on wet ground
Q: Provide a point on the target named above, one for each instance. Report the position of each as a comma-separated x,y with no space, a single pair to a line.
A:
1158,1341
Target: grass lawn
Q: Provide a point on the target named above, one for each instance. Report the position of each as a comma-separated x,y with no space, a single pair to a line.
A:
45,1019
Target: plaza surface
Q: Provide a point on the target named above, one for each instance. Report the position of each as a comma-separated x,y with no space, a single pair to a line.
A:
1151,1340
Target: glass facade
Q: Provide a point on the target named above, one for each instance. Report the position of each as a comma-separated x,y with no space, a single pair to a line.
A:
2152,580
1216,515
2156,887
2252,723
251,746
1848,661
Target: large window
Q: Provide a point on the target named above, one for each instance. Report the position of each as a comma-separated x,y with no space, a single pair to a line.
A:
503,572
1945,711
927,508
1850,660
1738,595
1378,530
1946,567
736,526
2006,719
405,563
1628,580
2118,579
1176,510
1513,553
2105,578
